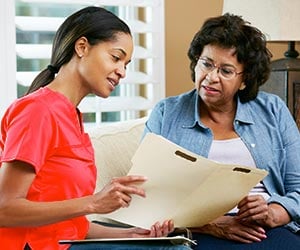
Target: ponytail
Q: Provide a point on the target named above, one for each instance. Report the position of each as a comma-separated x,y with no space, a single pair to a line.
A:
42,79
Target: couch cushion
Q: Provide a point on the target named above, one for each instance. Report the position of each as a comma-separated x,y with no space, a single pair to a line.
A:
114,146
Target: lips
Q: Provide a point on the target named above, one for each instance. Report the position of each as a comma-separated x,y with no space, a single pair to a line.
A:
209,89
113,82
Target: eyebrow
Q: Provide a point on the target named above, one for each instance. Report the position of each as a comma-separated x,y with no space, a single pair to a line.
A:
223,64
122,51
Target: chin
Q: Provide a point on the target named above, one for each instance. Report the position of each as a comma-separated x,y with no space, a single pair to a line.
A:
102,95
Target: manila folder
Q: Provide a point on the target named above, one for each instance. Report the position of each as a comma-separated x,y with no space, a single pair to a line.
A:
183,186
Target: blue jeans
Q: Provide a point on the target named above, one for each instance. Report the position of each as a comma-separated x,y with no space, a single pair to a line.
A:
279,238
128,246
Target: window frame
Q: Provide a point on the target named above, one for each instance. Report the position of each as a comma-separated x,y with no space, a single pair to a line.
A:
154,89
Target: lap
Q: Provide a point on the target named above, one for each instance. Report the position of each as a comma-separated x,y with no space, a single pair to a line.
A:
277,239
128,246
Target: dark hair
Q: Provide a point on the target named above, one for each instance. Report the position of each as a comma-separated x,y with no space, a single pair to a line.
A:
96,24
231,31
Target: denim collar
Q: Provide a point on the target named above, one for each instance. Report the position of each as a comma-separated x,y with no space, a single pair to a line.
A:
243,114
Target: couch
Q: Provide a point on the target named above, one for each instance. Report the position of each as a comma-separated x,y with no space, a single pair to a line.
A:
114,146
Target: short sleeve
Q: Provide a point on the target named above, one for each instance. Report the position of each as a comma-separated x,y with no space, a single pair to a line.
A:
27,132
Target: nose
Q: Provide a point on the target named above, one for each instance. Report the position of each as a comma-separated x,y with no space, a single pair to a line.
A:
121,71
214,74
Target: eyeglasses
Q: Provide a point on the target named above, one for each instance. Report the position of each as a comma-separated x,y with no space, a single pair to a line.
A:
227,72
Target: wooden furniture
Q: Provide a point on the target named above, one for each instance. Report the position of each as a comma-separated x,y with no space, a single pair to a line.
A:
284,81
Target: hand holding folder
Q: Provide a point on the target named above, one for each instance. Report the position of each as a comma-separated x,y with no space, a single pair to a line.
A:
183,186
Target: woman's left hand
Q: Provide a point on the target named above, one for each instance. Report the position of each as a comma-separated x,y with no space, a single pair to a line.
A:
255,209
157,230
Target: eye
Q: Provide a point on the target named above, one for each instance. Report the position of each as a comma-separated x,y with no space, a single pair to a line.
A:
115,58
207,64
227,71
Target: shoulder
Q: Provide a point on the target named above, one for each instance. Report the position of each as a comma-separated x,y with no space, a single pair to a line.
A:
27,104
172,112
175,109
267,108
269,103
29,109
269,99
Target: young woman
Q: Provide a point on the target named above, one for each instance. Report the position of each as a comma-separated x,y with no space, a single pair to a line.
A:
48,174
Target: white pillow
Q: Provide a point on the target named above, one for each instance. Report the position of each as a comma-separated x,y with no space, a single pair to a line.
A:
114,146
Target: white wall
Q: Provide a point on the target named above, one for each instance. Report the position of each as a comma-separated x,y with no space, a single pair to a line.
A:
7,55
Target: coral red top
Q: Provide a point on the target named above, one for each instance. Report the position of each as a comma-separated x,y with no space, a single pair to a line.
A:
45,130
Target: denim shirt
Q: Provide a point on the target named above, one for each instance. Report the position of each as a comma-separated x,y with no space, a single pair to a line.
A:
264,124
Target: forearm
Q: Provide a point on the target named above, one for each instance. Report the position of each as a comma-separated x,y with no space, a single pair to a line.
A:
100,231
156,230
22,212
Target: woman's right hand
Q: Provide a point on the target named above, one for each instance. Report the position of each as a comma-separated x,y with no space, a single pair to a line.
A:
231,228
117,193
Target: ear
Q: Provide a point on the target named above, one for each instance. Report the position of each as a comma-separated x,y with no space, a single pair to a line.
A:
243,86
81,46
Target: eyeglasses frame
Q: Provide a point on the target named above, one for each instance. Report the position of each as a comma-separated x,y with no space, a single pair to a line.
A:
218,68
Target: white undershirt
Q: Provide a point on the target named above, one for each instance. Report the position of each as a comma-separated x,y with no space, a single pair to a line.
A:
234,151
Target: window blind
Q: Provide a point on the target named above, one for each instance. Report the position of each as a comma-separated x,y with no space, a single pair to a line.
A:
35,23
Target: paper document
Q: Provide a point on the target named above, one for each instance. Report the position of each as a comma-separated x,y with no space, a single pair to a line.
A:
174,240
183,186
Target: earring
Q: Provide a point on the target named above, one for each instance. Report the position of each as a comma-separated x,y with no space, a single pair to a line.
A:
80,56
243,86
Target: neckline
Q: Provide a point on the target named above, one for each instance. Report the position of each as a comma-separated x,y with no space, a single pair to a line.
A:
228,140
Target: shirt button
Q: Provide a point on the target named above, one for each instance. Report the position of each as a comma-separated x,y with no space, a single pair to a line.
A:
252,145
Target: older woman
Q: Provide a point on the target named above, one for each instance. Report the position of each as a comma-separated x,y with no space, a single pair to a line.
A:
226,118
